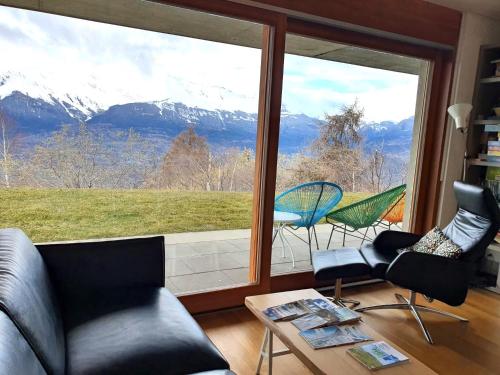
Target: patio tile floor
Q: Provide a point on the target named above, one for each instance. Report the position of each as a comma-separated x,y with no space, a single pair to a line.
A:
200,261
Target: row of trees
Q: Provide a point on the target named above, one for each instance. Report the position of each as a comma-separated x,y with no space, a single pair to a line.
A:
79,157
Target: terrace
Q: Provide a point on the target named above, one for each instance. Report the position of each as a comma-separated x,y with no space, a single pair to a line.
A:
200,261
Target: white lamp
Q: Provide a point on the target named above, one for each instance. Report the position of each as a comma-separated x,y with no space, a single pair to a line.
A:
460,113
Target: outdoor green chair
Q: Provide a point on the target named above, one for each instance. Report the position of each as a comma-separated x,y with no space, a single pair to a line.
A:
363,214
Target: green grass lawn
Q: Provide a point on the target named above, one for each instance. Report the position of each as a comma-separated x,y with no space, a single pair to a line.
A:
73,214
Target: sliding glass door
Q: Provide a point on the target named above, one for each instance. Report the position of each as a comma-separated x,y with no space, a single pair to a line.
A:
349,116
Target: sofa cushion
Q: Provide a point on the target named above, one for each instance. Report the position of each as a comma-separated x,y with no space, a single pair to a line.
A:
16,356
28,298
136,331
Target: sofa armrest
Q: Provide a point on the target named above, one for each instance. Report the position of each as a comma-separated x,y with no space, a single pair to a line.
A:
389,241
80,267
435,276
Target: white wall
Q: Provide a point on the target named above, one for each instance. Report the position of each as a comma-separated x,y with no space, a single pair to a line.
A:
476,30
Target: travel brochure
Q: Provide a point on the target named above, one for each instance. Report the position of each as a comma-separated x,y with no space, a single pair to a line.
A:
333,336
292,310
323,324
332,315
377,355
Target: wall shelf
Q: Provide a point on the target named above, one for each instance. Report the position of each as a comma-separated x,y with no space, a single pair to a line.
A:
490,80
483,163
486,122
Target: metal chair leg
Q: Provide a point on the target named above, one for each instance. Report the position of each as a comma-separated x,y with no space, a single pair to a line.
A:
411,305
439,312
280,234
399,306
309,242
345,232
364,237
275,233
421,324
289,248
401,298
330,238
315,237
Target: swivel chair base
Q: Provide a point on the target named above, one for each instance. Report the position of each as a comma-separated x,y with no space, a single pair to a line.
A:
415,309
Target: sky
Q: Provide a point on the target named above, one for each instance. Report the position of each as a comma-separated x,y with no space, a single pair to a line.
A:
106,64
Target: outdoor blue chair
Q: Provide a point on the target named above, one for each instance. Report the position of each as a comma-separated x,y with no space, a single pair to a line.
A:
311,201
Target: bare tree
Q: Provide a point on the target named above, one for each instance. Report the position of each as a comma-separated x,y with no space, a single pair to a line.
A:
379,175
336,154
79,157
188,162
8,140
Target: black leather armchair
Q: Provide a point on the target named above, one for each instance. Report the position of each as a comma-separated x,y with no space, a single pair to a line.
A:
473,228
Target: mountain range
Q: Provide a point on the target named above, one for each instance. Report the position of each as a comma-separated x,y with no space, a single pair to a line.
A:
37,111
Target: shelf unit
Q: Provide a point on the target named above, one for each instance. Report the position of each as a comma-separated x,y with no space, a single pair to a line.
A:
486,96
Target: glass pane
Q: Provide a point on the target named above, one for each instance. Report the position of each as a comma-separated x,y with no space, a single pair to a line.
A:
348,119
115,131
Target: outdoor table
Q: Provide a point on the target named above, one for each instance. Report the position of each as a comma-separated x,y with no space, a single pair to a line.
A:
281,220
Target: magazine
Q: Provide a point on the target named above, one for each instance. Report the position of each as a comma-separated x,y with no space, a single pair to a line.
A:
332,315
333,336
292,310
377,355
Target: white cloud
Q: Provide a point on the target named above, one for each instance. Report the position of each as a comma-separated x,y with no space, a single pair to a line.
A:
110,64
316,87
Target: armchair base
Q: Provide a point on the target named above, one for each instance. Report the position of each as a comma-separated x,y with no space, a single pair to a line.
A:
411,305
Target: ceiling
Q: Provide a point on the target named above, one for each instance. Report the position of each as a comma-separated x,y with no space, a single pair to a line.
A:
488,8
179,21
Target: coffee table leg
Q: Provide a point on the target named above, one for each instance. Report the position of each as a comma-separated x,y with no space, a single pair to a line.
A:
266,350
270,353
263,349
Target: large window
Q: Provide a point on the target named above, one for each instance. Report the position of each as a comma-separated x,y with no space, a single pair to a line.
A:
110,131
348,117
162,120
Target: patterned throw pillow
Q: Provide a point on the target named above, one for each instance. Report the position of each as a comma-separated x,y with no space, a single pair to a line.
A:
448,249
430,242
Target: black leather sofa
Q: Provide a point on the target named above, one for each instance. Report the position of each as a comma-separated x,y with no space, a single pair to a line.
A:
95,308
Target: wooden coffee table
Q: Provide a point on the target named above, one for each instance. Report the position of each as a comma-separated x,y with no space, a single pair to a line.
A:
321,361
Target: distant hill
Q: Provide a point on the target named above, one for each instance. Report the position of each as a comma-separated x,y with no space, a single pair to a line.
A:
38,116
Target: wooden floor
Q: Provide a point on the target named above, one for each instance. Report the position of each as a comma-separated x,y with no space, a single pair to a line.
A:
460,348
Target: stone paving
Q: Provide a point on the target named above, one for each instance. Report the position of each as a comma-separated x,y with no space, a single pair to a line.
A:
209,260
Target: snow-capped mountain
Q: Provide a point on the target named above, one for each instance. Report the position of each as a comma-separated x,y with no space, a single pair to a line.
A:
89,100
39,105
89,94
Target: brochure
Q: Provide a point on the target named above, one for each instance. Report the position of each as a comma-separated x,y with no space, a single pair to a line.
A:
333,336
332,315
377,355
292,310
